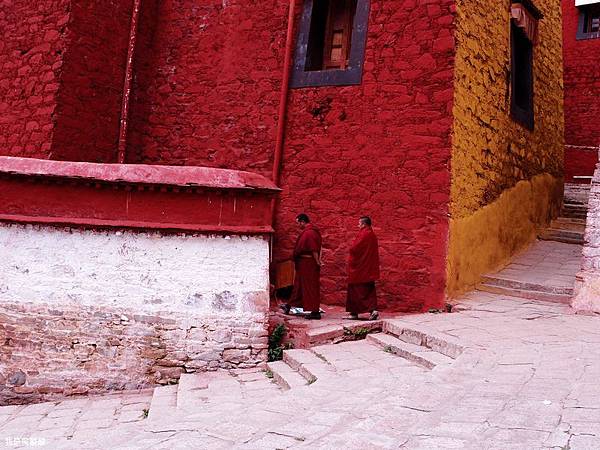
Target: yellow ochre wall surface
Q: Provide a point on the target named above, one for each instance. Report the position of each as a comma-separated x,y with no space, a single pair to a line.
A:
506,180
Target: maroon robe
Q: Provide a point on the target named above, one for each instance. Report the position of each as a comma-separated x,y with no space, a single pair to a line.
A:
363,271
307,289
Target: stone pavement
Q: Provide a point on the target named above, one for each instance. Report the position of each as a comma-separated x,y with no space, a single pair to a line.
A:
527,378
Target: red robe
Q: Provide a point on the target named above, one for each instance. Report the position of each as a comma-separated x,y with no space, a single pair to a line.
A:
307,289
363,271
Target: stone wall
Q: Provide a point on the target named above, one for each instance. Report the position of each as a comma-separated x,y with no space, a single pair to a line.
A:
582,82
587,284
207,93
90,311
89,101
492,154
582,89
580,161
62,67
31,57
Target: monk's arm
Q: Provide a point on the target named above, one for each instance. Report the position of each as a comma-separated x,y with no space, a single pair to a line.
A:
317,257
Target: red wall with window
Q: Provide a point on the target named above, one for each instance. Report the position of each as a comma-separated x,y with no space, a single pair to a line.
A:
207,93
582,91
207,78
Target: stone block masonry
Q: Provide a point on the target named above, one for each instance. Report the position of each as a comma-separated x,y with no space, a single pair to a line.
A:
382,149
506,179
91,311
62,64
582,82
207,92
31,58
582,89
587,284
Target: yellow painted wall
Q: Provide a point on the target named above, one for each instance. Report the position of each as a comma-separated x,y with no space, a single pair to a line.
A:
506,180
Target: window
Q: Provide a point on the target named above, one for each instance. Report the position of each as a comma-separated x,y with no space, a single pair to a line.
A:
523,36
331,43
522,77
589,22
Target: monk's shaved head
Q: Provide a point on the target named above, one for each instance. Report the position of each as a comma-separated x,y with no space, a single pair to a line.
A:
302,218
366,220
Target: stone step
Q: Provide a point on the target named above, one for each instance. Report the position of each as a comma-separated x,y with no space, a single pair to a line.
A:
308,364
285,376
189,386
417,354
423,336
562,235
568,224
574,210
163,403
575,205
334,334
510,283
570,221
525,293
577,193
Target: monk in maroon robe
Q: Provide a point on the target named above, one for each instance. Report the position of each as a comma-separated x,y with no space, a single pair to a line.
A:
363,271
307,261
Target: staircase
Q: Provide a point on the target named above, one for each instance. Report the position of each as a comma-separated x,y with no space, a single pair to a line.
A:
546,271
570,226
422,350
403,348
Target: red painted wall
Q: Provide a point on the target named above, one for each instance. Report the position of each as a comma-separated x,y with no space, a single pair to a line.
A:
61,77
582,91
207,94
31,57
207,87
89,101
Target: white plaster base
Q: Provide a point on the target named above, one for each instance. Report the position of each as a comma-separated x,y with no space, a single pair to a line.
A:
149,271
92,311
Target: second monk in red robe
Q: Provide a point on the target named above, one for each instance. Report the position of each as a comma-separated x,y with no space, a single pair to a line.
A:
363,271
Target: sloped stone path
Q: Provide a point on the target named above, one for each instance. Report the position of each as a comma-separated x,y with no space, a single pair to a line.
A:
546,270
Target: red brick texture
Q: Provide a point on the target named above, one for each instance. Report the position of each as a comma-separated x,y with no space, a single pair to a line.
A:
579,162
89,102
207,94
208,84
62,75
582,90
31,58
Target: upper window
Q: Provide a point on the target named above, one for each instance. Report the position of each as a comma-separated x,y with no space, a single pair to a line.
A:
331,43
523,36
589,22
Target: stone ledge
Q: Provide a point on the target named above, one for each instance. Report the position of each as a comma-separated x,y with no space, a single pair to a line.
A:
196,199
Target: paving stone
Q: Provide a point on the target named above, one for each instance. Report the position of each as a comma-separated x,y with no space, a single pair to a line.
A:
95,424
56,422
584,442
9,410
37,409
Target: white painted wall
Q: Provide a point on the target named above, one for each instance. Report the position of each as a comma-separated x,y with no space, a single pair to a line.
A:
146,271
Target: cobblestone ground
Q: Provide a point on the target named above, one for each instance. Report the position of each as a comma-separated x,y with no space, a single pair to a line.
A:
528,379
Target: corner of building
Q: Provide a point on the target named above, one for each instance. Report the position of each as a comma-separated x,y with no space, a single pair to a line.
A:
507,181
